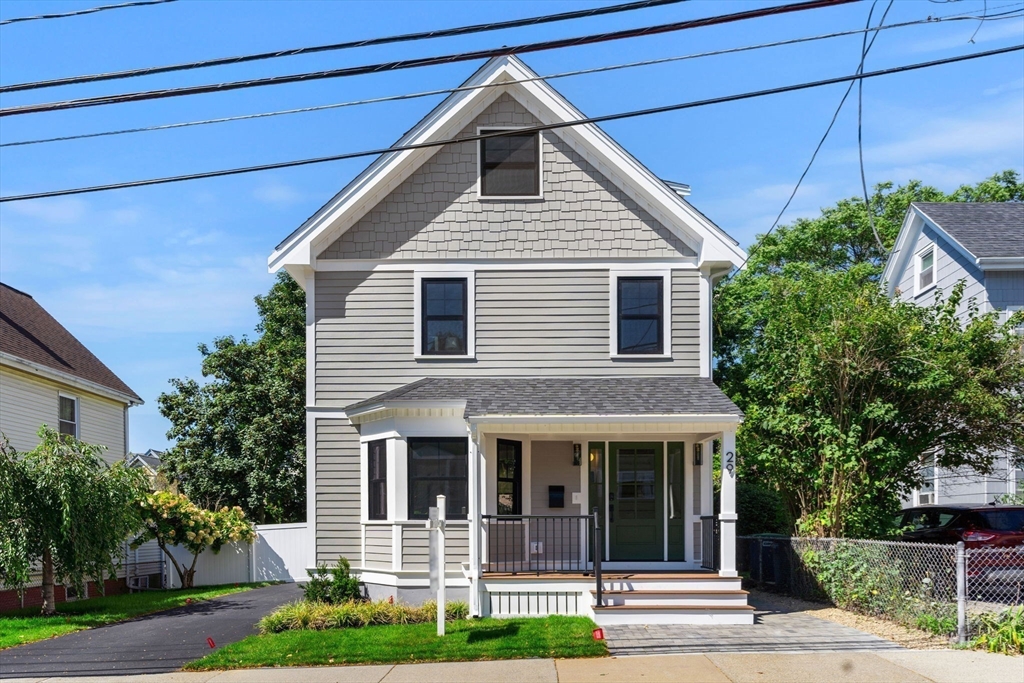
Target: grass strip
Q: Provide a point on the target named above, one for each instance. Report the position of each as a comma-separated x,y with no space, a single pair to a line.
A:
27,625
465,640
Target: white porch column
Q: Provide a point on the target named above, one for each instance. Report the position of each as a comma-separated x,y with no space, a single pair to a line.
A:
727,515
475,453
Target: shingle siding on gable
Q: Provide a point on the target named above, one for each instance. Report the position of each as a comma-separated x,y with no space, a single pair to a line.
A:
950,268
435,213
1005,288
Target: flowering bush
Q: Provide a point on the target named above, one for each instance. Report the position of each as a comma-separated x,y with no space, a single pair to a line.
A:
173,519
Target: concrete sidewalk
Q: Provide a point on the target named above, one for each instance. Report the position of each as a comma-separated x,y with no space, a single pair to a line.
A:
936,666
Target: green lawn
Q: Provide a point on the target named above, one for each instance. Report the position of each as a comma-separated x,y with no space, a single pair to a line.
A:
465,640
25,626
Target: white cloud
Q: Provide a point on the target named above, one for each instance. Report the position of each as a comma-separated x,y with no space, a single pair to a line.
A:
278,194
1009,86
57,211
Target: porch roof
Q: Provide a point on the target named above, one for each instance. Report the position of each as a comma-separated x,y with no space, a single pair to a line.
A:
555,396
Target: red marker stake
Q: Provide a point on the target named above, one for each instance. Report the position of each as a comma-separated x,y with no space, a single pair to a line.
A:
209,641
598,634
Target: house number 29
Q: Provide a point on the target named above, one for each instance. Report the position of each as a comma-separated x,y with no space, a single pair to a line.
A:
730,462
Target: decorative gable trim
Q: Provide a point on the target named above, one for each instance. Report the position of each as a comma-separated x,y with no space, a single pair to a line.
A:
299,250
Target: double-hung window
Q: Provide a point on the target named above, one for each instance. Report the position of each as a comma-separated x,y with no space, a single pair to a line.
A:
641,315
926,269
444,313
510,164
67,417
438,466
377,479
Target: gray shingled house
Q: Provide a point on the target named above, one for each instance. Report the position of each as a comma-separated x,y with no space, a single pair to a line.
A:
521,322
982,244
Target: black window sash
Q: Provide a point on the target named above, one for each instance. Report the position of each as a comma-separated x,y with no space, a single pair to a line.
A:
455,488
513,450
377,479
658,318
426,317
486,166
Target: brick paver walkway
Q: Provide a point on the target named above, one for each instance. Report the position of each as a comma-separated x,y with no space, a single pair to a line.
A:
774,630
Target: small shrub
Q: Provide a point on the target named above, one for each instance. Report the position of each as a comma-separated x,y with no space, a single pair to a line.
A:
321,616
761,510
939,625
1002,632
332,586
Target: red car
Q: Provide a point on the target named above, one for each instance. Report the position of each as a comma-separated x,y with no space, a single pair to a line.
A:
978,526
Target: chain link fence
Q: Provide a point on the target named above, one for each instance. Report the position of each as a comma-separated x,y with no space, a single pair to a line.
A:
944,589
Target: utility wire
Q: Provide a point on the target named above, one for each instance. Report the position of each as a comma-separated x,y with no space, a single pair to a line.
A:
422,61
367,42
564,74
77,13
860,130
551,126
860,69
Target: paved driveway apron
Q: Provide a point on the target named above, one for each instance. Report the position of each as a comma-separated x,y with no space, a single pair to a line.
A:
156,643
775,630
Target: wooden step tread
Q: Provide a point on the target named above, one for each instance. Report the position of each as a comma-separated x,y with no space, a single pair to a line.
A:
689,593
676,608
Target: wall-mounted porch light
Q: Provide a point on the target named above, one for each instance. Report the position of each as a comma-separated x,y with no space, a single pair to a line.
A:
698,454
577,454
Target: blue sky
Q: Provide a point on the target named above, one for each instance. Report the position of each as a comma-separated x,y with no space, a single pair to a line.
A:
142,276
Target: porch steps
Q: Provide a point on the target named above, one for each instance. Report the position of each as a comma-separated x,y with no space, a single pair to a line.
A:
672,599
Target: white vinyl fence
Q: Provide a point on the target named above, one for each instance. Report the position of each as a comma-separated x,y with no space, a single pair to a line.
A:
281,552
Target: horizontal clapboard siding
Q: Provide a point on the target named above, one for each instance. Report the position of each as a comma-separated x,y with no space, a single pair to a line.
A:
338,531
416,548
378,546
527,324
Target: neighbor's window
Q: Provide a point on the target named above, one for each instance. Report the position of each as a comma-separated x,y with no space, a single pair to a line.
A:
377,475
510,165
926,269
444,317
438,466
640,315
68,416
926,495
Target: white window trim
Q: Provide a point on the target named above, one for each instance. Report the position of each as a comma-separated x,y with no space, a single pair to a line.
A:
417,310
935,485
480,166
78,412
918,290
613,314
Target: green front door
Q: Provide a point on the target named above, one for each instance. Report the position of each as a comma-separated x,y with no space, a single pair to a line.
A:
635,503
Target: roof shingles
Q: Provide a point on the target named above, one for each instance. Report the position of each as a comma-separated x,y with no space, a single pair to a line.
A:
498,396
986,229
28,332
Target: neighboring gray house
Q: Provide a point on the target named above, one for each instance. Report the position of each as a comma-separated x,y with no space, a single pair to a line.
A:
513,322
982,244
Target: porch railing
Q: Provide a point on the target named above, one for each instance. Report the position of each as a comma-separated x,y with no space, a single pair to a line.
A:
709,542
522,544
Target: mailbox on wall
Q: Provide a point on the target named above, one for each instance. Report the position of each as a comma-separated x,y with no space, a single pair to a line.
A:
556,496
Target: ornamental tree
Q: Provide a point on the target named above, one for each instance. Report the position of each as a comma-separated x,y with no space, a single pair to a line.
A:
172,519
61,507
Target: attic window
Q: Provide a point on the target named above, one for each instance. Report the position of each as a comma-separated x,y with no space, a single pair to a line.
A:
926,269
510,164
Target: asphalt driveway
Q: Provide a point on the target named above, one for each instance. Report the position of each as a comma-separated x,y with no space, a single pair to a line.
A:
155,643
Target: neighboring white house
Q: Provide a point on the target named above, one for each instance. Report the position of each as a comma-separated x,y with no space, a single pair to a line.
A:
982,244
48,377
523,323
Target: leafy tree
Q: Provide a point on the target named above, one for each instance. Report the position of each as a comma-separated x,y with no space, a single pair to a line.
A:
173,519
845,390
70,513
240,439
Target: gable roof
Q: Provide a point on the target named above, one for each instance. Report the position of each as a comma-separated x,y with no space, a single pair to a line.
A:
984,229
31,337
500,75
563,396
988,234
150,460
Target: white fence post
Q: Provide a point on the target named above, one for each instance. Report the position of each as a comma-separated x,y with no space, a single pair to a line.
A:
961,593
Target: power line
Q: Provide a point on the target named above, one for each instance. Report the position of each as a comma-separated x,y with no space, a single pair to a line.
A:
78,13
860,134
445,91
367,42
552,126
421,61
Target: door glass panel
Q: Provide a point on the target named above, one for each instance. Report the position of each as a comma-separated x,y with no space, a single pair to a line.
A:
636,484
